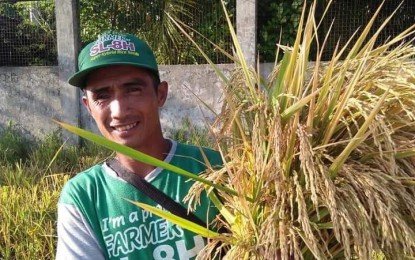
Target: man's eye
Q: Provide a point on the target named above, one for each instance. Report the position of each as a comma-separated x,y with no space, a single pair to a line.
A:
101,97
135,88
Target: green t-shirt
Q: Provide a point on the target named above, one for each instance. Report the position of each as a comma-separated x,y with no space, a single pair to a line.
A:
125,231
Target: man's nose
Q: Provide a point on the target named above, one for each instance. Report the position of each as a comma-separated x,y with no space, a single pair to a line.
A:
119,106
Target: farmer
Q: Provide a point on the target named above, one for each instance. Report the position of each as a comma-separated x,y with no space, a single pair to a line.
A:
122,91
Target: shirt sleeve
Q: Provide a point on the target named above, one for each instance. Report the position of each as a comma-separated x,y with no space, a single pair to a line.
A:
76,239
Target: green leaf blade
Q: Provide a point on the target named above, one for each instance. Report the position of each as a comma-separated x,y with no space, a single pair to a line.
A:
184,223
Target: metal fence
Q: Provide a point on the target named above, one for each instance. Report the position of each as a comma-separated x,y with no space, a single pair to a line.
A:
151,20
28,33
349,16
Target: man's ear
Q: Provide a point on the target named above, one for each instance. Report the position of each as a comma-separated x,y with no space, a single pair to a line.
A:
162,92
85,101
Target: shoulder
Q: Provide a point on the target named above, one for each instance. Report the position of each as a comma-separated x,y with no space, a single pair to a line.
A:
198,153
87,176
82,184
195,149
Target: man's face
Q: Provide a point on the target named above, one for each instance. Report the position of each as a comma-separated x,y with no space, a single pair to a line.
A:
125,105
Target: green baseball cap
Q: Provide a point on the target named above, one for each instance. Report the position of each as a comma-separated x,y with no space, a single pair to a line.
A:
112,48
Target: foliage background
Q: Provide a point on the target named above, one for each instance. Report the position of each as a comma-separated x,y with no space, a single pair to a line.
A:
28,34
149,21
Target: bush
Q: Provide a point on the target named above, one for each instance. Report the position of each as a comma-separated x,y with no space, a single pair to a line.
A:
28,32
276,19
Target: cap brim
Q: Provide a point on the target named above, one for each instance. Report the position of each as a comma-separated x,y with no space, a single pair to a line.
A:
79,79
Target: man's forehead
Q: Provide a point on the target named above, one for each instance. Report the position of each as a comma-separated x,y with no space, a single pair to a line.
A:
117,75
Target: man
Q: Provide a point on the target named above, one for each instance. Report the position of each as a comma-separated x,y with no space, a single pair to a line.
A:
119,77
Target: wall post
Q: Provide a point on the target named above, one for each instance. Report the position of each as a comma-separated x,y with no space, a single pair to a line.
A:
68,39
246,29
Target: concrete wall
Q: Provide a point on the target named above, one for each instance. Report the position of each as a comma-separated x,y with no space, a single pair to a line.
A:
31,96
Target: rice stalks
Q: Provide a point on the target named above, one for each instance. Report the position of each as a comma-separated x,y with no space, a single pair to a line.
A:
321,155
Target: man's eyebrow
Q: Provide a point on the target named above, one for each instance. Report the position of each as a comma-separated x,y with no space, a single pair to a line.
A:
134,81
99,89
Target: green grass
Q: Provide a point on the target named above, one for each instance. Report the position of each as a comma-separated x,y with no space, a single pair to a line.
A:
32,174
28,215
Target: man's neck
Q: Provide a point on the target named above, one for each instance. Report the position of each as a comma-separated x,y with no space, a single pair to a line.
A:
142,169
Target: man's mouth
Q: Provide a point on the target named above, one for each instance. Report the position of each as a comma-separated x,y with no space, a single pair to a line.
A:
124,127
